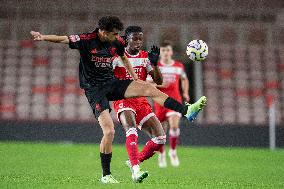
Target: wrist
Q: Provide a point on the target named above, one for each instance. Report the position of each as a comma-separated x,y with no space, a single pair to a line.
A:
154,63
43,37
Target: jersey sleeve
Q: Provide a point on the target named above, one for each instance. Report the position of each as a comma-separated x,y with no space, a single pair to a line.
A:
148,66
78,41
119,45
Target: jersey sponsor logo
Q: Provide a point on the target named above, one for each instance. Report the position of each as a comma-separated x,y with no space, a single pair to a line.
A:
102,62
134,62
171,70
74,38
137,70
169,78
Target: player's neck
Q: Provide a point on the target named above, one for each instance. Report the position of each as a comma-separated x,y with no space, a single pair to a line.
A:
167,61
102,39
131,51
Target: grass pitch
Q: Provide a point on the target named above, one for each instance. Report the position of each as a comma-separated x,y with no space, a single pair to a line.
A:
41,165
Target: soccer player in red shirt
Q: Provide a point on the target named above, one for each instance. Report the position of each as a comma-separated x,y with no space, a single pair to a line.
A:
173,74
137,112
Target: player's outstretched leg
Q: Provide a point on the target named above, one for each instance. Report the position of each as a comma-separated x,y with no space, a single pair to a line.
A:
127,120
155,130
107,126
140,88
195,108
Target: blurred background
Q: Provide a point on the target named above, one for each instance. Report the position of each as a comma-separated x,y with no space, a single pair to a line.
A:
40,98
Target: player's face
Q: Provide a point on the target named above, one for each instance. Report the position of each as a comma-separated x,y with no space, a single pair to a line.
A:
166,52
135,41
111,36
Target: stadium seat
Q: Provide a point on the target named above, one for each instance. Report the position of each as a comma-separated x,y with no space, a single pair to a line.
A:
23,111
69,111
236,78
85,112
54,112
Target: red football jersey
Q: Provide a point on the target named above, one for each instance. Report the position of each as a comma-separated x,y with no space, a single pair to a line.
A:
171,76
142,67
139,62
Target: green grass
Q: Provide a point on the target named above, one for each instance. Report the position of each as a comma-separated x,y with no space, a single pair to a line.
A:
30,165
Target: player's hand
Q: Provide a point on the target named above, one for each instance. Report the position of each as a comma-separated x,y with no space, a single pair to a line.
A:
186,97
37,36
135,78
153,55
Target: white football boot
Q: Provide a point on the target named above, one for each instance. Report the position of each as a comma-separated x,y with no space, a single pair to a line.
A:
174,158
162,162
108,179
137,175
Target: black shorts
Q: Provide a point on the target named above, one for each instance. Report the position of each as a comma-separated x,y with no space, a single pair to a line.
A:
99,97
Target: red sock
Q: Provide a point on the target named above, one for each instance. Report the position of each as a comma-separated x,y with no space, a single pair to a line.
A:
132,146
151,147
174,135
162,149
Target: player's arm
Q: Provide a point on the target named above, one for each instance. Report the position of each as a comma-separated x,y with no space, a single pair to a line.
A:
51,38
153,57
185,87
120,52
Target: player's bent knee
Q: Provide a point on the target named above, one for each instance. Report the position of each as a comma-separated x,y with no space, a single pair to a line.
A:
109,133
148,89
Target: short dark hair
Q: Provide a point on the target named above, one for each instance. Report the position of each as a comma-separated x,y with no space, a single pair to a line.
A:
108,23
166,43
131,29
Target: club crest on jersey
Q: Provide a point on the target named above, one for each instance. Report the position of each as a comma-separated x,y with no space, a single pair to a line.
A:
112,51
94,51
98,107
74,38
120,105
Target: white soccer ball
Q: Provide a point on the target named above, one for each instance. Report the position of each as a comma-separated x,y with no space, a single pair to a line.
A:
197,50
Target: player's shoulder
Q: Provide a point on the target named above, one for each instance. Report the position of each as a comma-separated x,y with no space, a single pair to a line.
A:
143,54
82,37
178,64
121,40
89,36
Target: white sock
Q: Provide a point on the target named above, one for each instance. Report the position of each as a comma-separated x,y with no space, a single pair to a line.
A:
136,168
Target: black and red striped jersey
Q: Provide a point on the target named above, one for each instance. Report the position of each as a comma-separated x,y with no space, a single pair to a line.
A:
96,58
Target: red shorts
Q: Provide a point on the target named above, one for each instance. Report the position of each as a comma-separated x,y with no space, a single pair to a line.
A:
163,113
139,106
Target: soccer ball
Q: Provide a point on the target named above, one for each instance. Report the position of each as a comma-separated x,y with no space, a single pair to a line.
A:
197,50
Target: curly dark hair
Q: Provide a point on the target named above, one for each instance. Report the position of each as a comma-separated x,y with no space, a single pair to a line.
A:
131,29
108,23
